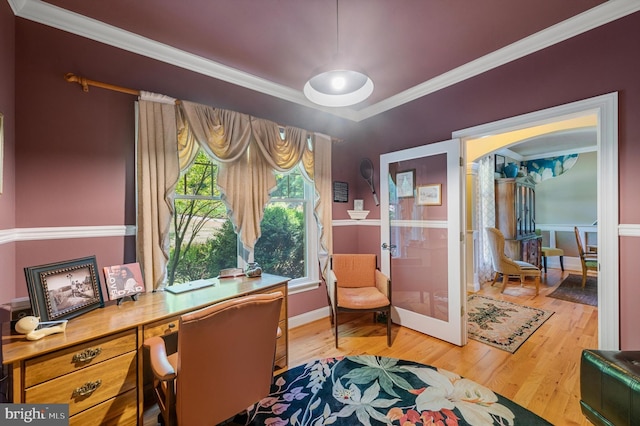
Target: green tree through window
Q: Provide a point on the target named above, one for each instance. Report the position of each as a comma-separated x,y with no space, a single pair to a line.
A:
203,240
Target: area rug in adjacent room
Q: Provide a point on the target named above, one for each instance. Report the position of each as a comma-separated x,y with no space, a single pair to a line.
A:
504,325
373,390
570,289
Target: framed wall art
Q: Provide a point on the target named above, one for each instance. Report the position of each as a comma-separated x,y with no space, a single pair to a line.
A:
405,183
340,192
63,290
430,195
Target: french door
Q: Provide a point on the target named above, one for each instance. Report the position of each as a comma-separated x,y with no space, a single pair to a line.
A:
422,232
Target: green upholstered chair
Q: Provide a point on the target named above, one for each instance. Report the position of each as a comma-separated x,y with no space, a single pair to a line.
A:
550,252
610,387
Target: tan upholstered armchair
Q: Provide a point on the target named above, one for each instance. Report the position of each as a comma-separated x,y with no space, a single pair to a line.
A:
224,362
357,285
507,267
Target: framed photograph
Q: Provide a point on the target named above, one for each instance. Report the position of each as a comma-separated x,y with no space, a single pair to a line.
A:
340,192
430,195
64,290
499,163
123,280
405,183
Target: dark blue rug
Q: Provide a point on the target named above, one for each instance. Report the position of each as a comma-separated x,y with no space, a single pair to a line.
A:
372,390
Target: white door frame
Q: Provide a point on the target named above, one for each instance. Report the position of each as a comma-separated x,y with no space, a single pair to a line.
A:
606,109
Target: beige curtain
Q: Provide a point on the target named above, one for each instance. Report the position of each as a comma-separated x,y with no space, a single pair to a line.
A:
158,171
323,207
250,149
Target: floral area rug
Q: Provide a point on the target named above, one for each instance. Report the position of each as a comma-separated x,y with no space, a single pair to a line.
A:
570,289
502,324
372,390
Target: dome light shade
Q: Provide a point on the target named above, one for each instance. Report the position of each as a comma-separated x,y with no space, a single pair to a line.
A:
338,88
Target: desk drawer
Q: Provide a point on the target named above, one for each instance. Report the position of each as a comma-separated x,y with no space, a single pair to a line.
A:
59,363
88,387
121,410
162,327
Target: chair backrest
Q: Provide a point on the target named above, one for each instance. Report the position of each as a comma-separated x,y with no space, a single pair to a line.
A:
496,243
354,270
579,242
225,357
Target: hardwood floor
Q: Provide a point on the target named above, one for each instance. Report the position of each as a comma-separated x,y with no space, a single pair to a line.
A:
543,375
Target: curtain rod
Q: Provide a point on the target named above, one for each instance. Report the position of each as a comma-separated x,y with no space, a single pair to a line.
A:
85,83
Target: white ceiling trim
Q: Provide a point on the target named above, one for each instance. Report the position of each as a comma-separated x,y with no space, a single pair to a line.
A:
53,16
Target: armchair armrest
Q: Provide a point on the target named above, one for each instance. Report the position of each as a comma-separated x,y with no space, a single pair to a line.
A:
331,286
160,364
382,283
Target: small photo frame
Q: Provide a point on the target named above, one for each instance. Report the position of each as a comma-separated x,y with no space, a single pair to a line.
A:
123,280
64,290
405,183
430,195
358,205
499,163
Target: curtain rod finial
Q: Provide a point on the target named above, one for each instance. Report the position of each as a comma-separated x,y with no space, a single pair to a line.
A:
72,78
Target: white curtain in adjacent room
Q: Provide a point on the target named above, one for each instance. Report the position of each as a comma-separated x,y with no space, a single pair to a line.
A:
486,208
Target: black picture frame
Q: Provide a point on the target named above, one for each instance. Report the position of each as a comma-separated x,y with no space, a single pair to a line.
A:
63,290
340,192
499,163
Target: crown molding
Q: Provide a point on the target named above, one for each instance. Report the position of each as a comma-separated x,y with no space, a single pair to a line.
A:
588,20
56,17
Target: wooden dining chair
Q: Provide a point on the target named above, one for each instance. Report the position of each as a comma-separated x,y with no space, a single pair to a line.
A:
589,261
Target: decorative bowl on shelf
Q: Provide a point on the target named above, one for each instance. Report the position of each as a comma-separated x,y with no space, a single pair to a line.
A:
358,214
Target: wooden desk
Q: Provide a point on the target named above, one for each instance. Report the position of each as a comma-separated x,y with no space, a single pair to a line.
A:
98,365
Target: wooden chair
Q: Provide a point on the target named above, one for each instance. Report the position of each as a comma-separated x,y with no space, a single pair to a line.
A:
357,285
589,261
502,264
224,362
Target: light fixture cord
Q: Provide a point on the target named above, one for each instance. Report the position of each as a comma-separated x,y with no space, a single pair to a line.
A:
337,28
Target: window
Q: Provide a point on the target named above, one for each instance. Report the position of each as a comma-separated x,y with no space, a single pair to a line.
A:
203,241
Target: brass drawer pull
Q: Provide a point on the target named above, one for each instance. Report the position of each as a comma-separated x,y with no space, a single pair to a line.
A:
87,388
87,355
172,325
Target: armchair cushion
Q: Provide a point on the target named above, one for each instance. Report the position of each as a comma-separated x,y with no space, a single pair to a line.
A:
361,298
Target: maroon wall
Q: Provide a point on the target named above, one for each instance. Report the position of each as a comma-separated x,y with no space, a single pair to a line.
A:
74,159
7,167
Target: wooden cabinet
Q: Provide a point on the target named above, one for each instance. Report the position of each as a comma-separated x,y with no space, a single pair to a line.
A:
99,367
515,217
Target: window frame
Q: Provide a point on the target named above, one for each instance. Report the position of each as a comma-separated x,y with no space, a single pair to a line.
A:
296,285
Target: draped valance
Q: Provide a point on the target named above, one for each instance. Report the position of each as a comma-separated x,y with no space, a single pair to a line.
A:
249,150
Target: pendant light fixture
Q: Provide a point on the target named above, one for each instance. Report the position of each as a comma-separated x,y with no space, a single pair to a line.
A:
336,84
